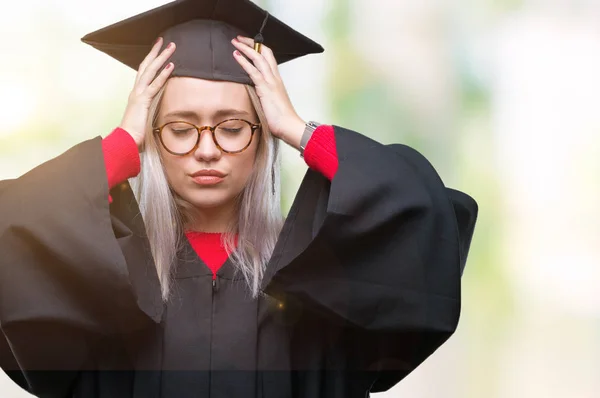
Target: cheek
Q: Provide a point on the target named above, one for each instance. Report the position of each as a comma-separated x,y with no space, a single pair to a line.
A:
244,166
173,169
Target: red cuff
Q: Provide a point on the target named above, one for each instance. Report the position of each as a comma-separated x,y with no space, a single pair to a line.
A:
320,153
121,157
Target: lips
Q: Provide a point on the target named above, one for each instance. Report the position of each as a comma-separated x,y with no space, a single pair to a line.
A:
208,173
208,177
207,180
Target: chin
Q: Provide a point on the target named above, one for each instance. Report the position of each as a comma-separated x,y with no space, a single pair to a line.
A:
205,199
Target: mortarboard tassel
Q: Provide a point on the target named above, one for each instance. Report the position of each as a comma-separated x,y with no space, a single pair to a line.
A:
259,39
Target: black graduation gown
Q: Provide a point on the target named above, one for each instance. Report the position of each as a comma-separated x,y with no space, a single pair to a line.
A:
363,285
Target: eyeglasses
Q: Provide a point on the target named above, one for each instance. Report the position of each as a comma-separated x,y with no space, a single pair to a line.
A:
230,136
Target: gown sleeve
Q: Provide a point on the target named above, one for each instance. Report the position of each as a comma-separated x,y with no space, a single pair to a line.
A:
379,249
73,270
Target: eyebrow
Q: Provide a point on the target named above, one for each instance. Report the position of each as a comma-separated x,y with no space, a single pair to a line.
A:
219,113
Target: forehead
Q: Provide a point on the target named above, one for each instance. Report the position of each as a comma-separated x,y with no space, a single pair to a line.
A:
204,97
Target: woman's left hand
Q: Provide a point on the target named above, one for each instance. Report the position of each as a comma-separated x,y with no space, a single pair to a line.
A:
283,120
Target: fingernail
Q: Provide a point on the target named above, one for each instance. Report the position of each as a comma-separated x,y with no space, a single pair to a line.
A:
236,52
171,45
170,65
157,40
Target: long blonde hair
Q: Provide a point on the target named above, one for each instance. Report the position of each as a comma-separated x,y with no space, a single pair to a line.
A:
166,214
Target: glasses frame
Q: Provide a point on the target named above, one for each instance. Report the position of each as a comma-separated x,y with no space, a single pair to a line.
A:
253,126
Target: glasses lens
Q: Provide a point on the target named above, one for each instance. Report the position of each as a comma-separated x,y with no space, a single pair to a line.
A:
233,135
179,137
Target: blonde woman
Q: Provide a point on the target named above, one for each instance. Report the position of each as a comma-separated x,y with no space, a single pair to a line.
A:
192,284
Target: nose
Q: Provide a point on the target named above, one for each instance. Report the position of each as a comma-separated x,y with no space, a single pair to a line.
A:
207,150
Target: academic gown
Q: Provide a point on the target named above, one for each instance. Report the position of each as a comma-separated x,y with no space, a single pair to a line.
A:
363,285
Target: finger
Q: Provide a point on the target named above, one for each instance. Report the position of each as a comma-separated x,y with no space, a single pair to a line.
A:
265,51
155,65
256,76
160,80
149,57
257,59
246,40
270,58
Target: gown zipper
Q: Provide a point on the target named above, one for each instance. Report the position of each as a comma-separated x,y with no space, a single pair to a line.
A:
215,289
215,283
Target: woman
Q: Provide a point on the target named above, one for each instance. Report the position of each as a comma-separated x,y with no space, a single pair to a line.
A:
196,286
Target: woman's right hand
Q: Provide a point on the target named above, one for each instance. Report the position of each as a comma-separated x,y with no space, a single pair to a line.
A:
147,85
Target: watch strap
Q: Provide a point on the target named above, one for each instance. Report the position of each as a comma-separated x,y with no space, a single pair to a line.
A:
308,132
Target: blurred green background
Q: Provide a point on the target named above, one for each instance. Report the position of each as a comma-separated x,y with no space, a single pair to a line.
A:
501,96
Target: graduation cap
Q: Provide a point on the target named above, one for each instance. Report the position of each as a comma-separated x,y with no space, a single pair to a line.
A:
202,31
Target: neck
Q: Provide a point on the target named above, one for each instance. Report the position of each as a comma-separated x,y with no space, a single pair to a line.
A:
212,220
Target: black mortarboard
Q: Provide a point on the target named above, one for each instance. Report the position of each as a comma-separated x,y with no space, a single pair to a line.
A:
202,31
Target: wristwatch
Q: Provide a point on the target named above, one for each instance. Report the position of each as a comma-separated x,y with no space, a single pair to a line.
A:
308,131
